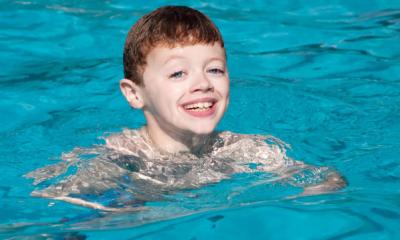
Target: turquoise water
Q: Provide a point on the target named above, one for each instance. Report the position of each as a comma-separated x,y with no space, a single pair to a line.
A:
324,76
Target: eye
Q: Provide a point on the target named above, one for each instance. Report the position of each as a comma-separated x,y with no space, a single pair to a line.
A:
217,71
178,74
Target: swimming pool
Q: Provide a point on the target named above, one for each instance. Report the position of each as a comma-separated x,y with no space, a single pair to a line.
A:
323,76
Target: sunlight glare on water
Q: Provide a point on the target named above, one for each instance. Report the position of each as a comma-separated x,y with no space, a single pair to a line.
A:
323,76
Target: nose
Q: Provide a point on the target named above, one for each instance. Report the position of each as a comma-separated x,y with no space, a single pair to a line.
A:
201,83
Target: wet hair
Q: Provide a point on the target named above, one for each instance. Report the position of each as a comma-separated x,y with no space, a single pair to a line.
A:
168,26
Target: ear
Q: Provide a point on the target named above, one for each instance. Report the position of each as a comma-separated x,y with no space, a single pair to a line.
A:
132,93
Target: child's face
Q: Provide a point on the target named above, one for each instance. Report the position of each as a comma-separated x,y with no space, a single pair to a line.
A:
186,88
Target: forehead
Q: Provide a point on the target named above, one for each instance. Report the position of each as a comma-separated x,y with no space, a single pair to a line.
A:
161,54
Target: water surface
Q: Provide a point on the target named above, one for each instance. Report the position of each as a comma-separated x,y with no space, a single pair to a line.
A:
323,76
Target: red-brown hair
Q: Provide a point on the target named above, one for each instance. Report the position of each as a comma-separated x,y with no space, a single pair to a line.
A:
166,26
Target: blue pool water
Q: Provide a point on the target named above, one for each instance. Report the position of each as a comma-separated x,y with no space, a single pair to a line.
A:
324,76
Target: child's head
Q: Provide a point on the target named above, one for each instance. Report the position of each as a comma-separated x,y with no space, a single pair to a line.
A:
168,26
175,71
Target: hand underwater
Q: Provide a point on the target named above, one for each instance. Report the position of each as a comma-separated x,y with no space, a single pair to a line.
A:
334,182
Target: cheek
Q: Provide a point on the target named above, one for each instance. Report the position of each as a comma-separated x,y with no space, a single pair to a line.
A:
223,87
165,100
227,89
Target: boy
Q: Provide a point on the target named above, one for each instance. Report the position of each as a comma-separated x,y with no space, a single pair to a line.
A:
176,73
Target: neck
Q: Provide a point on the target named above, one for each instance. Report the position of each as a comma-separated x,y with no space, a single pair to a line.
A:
174,141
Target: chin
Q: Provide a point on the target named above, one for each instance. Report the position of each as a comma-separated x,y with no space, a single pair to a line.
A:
203,130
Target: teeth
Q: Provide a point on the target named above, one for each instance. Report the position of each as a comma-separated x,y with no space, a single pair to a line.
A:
199,106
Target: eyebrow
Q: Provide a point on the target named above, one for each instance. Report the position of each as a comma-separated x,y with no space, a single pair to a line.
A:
180,57
172,58
217,59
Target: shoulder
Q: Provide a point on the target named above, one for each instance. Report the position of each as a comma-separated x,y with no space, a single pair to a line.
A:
120,137
257,139
129,141
266,150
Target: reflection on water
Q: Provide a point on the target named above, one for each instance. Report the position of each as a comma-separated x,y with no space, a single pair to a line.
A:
128,172
321,76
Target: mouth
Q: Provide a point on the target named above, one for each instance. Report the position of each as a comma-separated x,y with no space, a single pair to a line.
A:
201,107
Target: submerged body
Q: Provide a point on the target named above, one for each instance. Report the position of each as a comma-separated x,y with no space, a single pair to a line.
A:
129,170
175,72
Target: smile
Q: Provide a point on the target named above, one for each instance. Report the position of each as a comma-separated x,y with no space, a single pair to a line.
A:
200,108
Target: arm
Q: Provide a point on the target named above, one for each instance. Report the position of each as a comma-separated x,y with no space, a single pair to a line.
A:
333,182
89,204
85,187
314,180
